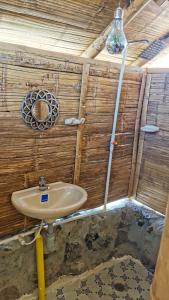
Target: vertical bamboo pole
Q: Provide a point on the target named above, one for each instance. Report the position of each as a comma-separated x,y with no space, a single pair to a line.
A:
142,135
136,134
82,111
160,285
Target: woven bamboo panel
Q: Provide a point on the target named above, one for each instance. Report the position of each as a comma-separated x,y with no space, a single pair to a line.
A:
100,103
25,154
153,184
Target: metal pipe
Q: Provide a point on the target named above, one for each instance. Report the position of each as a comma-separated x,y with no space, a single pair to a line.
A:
40,267
75,216
50,239
112,141
144,41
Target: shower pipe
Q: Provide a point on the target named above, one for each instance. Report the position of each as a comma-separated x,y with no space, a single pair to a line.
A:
112,140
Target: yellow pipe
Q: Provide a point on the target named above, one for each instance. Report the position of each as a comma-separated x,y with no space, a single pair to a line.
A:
40,267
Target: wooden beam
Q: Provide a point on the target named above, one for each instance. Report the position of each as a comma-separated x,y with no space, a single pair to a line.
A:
157,70
136,135
129,14
142,135
82,111
20,55
160,285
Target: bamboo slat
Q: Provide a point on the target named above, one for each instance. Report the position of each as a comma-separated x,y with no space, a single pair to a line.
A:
82,112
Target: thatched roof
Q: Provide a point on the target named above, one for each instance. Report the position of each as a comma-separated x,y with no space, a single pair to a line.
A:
78,27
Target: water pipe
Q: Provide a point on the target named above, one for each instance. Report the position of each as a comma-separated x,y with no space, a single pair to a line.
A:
40,266
112,140
24,243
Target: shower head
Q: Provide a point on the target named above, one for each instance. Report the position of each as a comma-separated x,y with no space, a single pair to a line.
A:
153,49
116,41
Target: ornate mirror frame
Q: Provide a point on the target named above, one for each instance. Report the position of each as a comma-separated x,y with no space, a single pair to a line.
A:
27,108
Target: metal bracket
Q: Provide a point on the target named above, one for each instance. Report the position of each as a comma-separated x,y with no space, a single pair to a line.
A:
74,121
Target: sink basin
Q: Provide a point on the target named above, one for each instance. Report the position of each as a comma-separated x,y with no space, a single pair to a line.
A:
60,199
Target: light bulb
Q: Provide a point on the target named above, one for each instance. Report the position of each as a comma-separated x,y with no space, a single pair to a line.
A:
116,41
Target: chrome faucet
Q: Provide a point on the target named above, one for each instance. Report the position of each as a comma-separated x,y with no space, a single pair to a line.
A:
42,184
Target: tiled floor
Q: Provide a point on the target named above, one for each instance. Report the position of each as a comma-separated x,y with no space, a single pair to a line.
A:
121,279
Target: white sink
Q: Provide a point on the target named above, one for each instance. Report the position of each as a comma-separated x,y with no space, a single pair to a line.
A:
60,199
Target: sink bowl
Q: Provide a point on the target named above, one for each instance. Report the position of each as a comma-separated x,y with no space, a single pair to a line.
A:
59,200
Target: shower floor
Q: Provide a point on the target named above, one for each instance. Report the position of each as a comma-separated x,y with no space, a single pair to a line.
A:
121,278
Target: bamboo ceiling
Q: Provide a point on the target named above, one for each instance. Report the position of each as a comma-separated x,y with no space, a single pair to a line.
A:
71,26
64,26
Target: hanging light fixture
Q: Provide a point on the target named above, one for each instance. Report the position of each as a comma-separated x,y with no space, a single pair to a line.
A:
116,41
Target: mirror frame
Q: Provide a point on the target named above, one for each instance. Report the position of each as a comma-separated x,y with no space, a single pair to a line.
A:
27,107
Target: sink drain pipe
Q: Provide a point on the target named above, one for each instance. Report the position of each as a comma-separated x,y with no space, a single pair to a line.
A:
40,266
112,140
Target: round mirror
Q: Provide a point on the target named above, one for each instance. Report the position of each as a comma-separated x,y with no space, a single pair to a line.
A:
41,110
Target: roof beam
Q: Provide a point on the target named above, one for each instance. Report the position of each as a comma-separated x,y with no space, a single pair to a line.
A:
129,14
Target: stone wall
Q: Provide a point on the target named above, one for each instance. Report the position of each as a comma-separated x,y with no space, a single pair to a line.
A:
81,245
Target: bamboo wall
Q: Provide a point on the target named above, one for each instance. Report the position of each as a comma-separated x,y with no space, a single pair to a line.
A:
66,153
153,153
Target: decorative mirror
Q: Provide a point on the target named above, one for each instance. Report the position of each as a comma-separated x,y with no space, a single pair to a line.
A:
40,110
